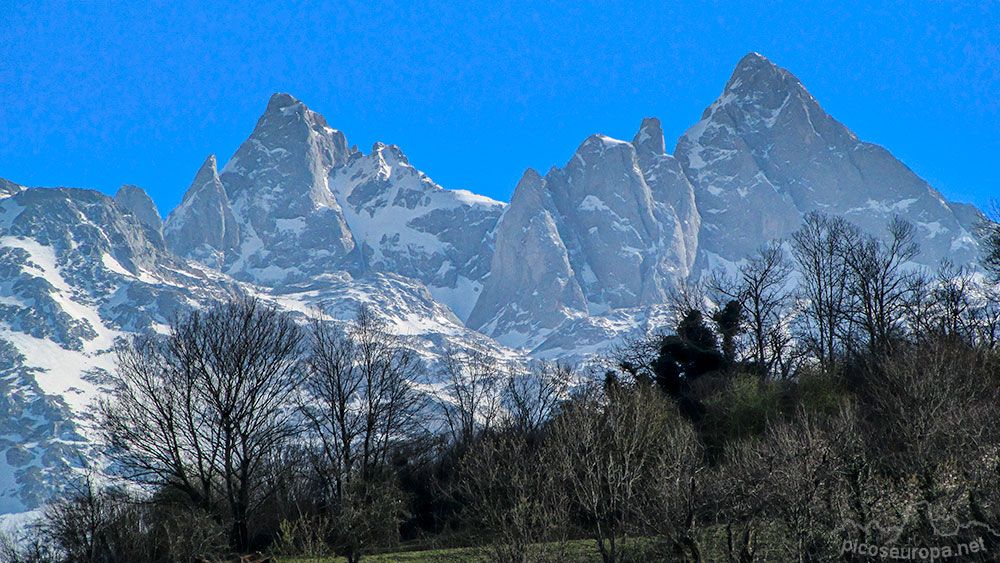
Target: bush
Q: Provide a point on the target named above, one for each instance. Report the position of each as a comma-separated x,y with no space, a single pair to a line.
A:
93,525
817,391
189,534
305,536
742,409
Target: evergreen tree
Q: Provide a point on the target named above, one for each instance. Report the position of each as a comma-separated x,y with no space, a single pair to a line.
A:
729,320
686,356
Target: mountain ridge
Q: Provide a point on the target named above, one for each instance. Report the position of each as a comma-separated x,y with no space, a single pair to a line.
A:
580,257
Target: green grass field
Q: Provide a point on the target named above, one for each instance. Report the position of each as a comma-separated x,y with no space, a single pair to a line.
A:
458,554
577,550
713,544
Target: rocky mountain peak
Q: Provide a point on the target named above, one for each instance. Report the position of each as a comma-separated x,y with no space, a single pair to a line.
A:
203,227
758,92
588,238
284,163
599,144
756,72
8,188
285,107
206,183
391,154
278,187
529,189
754,62
282,100
765,153
530,176
208,172
649,138
136,202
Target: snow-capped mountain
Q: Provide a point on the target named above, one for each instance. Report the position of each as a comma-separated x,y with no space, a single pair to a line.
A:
77,270
289,227
586,254
295,202
616,228
404,223
581,256
765,153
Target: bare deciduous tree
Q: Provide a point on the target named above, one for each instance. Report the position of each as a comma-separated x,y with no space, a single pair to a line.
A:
626,459
674,501
636,356
804,480
764,292
358,401
200,410
470,397
530,396
954,302
359,395
931,406
94,525
878,282
819,249
512,498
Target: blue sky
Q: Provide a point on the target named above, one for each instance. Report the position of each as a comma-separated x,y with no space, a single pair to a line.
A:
97,94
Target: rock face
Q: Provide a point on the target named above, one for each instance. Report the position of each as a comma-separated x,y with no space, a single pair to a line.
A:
765,153
532,286
669,186
135,201
203,226
615,228
8,188
290,225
